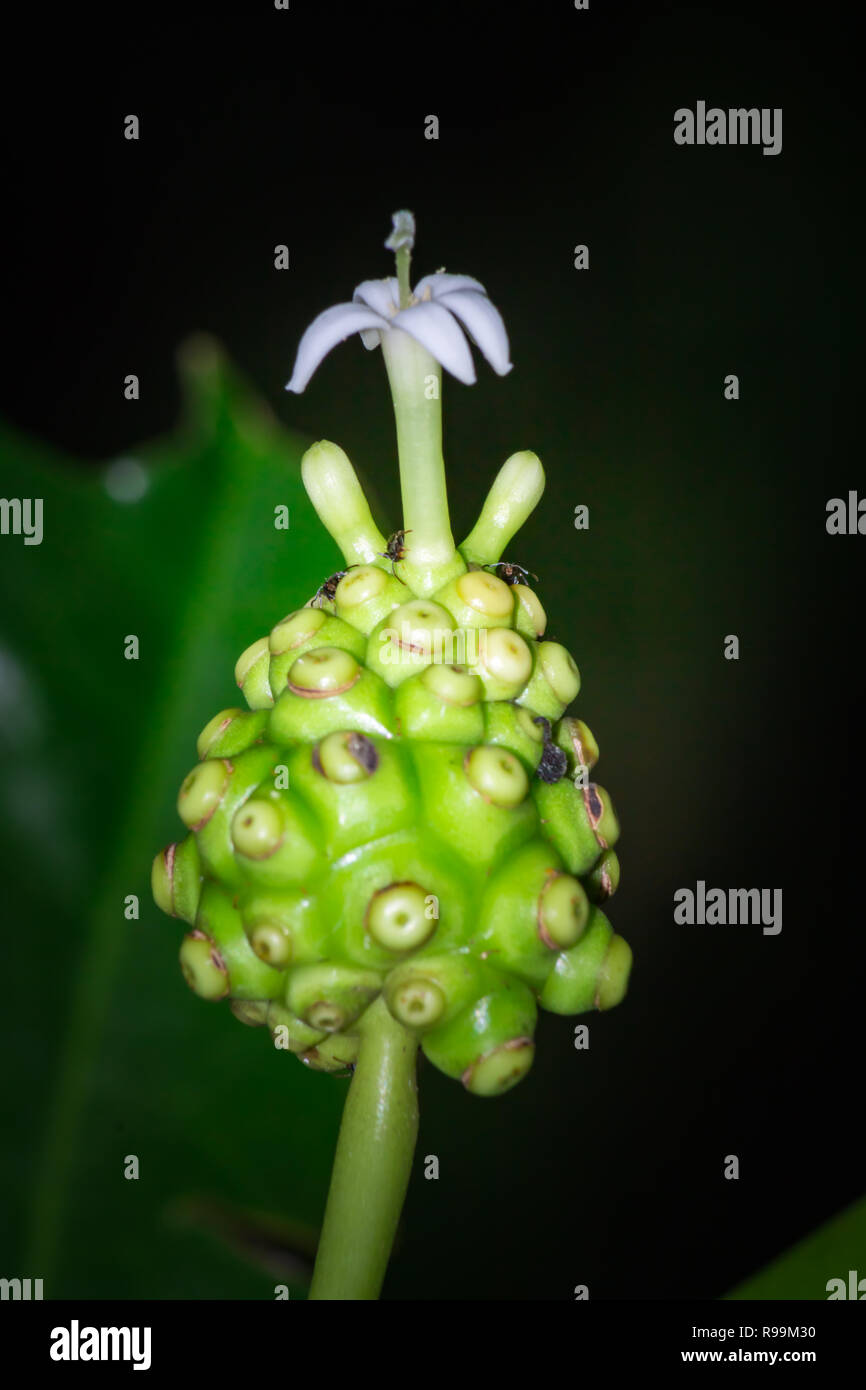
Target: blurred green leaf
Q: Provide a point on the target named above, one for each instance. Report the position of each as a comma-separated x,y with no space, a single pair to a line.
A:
805,1270
113,1055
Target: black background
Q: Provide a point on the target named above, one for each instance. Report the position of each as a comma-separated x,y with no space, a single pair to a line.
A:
707,517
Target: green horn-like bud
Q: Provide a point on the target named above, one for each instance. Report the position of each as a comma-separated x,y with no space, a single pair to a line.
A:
515,494
335,492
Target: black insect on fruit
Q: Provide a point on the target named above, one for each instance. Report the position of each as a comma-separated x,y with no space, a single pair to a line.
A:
328,589
554,761
512,574
395,549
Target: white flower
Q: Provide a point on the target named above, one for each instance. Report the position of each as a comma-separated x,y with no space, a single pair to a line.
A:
439,305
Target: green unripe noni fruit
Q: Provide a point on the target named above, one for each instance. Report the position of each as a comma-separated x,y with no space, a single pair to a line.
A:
400,816
399,813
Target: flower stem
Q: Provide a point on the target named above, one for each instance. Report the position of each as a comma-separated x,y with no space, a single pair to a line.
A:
416,387
372,1162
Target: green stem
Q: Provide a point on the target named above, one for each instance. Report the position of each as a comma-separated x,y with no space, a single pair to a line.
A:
372,1163
416,387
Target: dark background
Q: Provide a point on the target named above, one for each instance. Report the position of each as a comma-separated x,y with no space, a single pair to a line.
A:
707,518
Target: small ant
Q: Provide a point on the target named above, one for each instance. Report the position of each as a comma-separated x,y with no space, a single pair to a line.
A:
512,574
328,589
395,549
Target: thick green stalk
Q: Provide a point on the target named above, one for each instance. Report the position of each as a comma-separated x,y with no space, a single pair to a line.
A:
372,1163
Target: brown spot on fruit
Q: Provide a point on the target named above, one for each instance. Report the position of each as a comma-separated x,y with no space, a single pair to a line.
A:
594,809
364,751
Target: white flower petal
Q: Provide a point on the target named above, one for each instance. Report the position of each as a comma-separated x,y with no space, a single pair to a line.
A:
440,283
484,323
381,295
327,329
435,329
